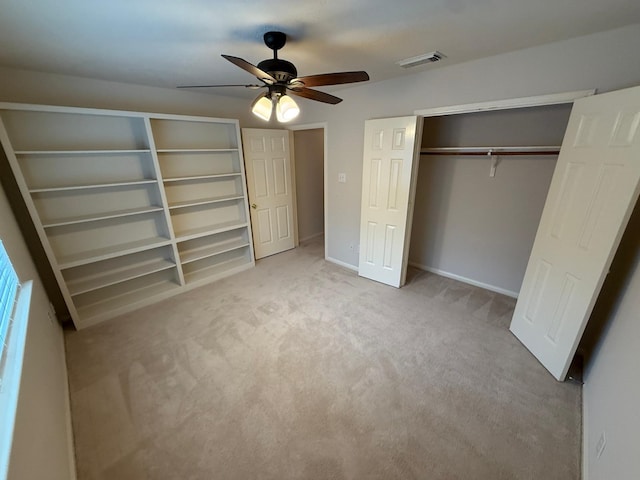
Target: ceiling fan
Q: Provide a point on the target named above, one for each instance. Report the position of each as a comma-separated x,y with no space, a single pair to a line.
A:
281,77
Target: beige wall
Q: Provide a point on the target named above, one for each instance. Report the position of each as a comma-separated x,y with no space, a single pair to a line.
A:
476,228
23,86
309,158
609,346
612,390
42,445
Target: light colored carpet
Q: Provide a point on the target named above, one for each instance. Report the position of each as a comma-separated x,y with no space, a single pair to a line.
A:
299,369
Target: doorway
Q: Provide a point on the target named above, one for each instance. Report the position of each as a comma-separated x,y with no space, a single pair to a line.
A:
482,183
309,147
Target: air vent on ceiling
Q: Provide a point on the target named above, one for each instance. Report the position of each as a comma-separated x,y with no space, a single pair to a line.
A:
422,59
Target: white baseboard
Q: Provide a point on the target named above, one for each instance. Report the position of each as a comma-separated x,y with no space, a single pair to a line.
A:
342,264
310,237
585,435
462,279
70,437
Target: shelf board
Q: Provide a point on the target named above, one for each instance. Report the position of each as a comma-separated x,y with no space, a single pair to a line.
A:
113,251
201,177
204,201
91,186
219,269
195,150
111,277
79,152
125,299
99,216
212,250
208,230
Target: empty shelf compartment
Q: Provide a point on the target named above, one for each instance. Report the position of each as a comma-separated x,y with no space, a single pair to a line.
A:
200,219
217,266
125,296
211,245
31,130
94,276
69,170
81,243
188,135
195,164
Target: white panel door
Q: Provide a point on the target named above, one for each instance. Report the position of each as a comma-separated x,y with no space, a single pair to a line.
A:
268,167
388,189
593,191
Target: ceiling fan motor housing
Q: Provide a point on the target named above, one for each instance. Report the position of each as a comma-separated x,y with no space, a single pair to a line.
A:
279,69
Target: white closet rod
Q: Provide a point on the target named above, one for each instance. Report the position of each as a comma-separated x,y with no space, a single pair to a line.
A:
526,150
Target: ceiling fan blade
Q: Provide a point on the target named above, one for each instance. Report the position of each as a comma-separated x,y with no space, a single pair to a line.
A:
252,69
332,78
315,95
253,87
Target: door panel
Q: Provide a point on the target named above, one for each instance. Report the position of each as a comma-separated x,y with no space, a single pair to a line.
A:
269,180
593,191
388,190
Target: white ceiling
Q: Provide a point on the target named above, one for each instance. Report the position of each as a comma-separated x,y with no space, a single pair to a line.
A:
167,43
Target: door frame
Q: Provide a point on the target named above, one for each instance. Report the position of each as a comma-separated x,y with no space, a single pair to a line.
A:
506,104
325,128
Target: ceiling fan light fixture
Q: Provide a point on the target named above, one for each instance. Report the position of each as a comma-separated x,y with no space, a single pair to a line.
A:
286,109
262,107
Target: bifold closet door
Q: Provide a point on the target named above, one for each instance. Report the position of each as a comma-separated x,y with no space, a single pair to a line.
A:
389,174
593,192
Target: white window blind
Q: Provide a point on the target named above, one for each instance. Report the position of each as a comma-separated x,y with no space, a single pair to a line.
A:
8,292
14,315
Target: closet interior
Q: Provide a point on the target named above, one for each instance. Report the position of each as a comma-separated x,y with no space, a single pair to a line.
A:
482,183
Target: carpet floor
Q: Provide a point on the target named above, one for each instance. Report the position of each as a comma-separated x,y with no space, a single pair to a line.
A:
300,369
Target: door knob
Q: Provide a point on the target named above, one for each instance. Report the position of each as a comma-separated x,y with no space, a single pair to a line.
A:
253,205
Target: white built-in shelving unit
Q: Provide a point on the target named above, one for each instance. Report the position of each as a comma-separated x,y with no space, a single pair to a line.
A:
130,207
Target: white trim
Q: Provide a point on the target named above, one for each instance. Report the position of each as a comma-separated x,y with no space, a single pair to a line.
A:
535,101
325,147
71,449
341,263
462,279
308,126
585,433
310,237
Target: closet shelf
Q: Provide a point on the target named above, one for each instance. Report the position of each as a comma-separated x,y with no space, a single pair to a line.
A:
99,216
90,256
192,233
205,201
488,151
91,186
195,150
212,250
103,279
202,177
80,152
